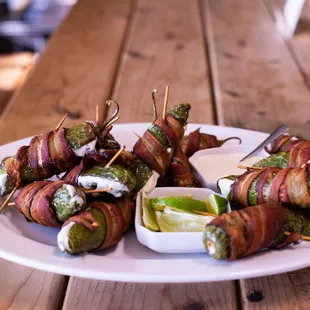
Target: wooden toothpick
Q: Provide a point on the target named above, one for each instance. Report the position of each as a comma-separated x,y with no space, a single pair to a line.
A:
166,102
115,156
204,213
306,238
97,113
11,204
139,137
95,191
8,199
250,167
155,115
61,122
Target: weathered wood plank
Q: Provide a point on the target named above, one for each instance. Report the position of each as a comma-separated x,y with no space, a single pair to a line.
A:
257,84
13,69
163,48
89,295
300,42
29,289
75,73
289,291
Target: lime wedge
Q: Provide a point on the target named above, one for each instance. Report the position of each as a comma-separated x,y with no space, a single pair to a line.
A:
216,204
182,203
177,223
148,214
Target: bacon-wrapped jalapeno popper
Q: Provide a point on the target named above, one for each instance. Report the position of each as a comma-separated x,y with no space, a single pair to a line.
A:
92,173
102,225
158,142
294,154
242,233
49,154
50,203
289,186
197,141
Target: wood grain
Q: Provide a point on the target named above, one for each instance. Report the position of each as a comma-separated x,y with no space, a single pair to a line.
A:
75,73
162,48
91,295
300,42
165,47
13,69
257,84
26,288
289,291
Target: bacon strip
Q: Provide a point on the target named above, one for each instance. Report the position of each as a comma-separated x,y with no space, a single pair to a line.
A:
251,229
179,173
47,154
34,202
288,186
150,149
284,143
118,214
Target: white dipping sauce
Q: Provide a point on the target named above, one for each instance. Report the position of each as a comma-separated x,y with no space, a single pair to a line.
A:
215,166
87,148
87,181
3,179
63,237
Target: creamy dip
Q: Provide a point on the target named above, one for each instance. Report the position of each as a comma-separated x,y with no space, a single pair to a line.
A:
3,179
215,166
87,148
63,237
91,182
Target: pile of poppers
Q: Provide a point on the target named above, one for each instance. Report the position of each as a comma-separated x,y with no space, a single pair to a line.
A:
270,201
93,199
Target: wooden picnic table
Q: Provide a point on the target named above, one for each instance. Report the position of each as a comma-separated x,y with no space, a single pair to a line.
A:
226,58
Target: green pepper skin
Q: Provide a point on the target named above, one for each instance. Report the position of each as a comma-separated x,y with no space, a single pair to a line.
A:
216,242
141,171
296,222
80,135
180,113
159,135
279,160
82,240
61,203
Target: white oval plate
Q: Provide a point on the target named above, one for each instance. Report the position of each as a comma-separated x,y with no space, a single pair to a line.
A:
34,246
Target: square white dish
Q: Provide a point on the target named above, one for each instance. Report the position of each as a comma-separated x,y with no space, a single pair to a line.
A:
202,175
171,242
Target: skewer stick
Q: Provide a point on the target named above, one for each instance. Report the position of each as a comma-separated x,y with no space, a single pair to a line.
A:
204,213
95,191
61,122
139,137
8,199
115,156
306,238
11,204
166,102
250,167
155,115
97,113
